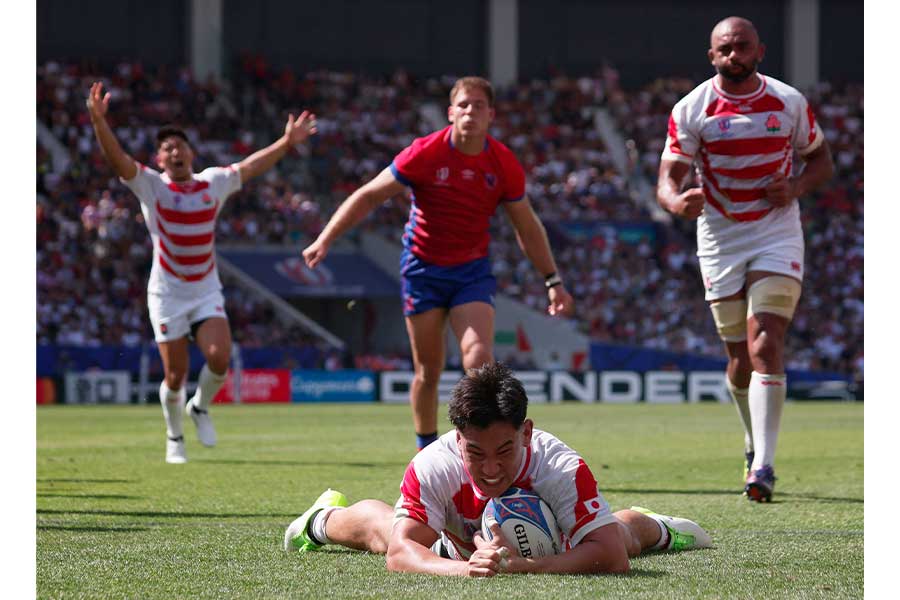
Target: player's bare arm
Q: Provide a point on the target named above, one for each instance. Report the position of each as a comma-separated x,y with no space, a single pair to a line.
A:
351,212
410,551
98,106
532,238
687,204
601,551
819,169
296,131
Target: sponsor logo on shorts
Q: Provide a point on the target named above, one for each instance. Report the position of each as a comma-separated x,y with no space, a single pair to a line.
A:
164,328
220,309
795,265
707,282
773,124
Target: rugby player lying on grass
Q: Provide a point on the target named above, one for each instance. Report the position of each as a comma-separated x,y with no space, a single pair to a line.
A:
435,525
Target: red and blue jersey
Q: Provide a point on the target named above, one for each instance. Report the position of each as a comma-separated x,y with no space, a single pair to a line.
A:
454,196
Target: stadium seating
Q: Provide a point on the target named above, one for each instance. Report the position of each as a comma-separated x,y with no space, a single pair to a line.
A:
93,252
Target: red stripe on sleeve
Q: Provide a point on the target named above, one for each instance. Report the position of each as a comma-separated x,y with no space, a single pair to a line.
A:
674,144
588,503
812,124
412,495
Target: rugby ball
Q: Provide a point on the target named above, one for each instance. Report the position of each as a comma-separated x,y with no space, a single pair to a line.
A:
525,520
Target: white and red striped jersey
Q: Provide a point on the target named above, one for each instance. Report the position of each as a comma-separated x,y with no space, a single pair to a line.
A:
438,491
181,218
737,144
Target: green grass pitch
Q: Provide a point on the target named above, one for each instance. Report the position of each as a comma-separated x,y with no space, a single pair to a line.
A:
115,521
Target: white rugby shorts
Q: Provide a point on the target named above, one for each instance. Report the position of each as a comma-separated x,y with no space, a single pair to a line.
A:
725,274
172,317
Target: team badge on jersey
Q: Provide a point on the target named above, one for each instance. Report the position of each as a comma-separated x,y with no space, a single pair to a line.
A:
206,198
773,124
491,180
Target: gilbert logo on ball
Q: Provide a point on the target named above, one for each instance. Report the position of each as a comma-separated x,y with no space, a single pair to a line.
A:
525,520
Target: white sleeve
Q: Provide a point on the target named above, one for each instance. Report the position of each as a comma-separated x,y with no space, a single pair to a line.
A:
808,135
223,181
569,488
142,183
682,142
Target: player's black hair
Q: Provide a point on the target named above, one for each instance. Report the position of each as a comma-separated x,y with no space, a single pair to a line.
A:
486,396
168,131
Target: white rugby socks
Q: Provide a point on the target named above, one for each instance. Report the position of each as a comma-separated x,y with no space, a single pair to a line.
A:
766,399
207,385
317,527
742,403
172,402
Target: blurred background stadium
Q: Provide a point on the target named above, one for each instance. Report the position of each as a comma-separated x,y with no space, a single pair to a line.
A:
584,91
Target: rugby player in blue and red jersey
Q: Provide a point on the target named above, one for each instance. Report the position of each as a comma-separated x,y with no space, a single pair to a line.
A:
459,176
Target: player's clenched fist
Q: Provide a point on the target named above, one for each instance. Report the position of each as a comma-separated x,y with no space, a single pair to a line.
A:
315,253
689,203
780,190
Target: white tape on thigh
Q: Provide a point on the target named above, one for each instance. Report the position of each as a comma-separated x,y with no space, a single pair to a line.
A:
774,294
731,319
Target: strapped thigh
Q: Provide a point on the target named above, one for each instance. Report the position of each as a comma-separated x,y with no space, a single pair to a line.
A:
731,319
774,294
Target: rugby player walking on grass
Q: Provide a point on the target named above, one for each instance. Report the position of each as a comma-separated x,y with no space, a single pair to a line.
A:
184,294
742,129
459,176
435,525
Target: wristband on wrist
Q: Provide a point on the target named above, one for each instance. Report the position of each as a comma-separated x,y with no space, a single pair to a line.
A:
552,280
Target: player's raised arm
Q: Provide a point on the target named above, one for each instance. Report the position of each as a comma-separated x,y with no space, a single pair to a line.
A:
687,204
351,212
295,132
119,160
532,238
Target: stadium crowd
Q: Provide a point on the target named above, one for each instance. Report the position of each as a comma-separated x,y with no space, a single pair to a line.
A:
93,251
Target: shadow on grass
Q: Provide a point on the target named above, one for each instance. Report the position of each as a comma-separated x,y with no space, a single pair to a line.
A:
91,529
162,514
93,496
39,480
300,463
730,492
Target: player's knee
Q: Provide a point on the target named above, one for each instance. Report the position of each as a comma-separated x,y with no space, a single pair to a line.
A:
175,378
730,317
428,375
477,355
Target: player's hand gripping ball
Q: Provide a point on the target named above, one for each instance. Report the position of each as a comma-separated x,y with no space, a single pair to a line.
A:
525,520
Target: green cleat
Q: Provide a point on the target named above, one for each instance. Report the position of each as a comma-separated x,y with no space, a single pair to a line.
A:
683,534
297,535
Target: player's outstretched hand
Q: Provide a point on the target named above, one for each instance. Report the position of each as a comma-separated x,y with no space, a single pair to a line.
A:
561,302
97,102
315,253
297,131
689,203
780,191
